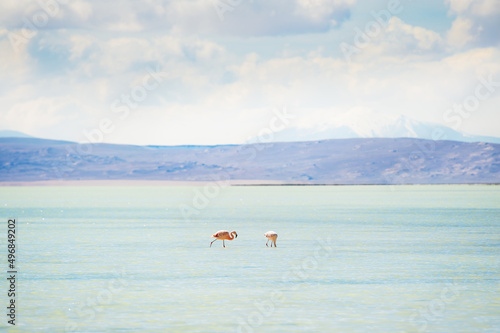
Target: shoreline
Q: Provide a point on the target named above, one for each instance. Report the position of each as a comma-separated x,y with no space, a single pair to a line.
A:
137,183
41,183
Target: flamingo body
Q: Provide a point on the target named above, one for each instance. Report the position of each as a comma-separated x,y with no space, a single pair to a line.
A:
271,236
224,235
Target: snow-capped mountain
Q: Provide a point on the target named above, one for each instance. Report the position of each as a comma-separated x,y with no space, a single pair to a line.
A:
401,127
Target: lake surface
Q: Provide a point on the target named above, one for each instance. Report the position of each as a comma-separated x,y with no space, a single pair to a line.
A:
349,259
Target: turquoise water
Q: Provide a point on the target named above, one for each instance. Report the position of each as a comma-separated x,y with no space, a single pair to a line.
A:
349,259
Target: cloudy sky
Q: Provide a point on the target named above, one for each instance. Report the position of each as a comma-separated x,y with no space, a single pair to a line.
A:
216,71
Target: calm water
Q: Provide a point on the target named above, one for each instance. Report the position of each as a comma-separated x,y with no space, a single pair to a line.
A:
349,259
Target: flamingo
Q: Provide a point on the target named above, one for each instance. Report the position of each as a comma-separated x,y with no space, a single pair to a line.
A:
224,234
271,236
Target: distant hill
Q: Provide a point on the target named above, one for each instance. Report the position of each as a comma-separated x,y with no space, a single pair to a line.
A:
13,134
340,161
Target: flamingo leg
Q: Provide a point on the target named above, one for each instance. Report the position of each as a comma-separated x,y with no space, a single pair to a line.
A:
274,243
267,242
212,242
223,244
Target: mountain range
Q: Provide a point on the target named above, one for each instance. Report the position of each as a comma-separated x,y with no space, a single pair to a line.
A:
335,161
376,127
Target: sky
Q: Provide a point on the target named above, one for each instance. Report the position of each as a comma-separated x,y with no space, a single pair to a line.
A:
224,71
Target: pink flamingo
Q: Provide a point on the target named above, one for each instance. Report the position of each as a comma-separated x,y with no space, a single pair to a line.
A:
224,234
271,236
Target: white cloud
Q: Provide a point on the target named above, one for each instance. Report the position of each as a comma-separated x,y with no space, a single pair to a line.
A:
410,38
79,44
14,66
193,107
257,17
81,8
97,56
477,23
65,79
461,33
320,10
38,114
397,40
245,17
475,7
